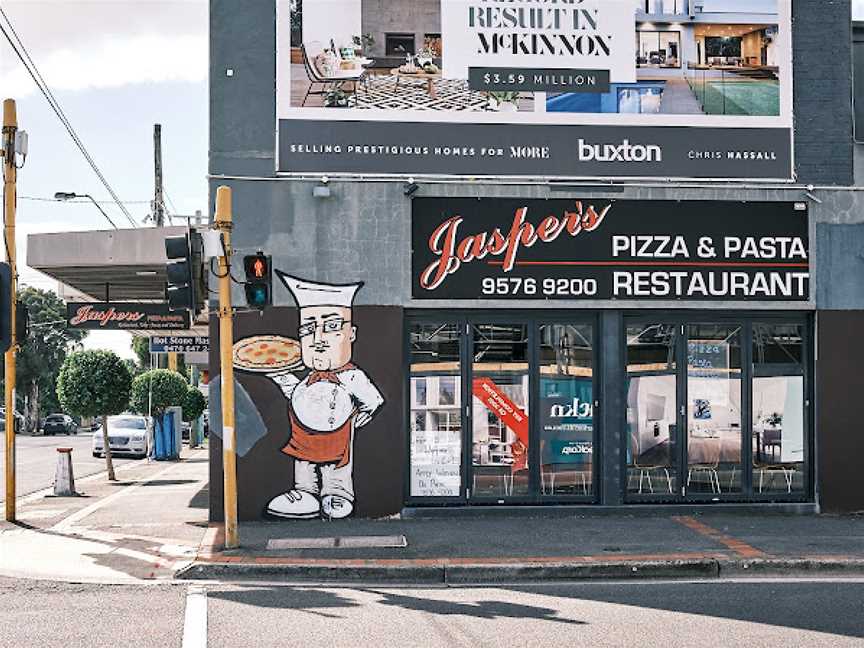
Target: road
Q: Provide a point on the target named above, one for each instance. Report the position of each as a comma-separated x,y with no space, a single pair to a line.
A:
760,613
36,459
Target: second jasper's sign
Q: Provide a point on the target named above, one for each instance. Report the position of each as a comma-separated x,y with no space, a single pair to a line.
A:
125,316
465,248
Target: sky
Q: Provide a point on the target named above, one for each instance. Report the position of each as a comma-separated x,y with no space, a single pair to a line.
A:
858,9
116,67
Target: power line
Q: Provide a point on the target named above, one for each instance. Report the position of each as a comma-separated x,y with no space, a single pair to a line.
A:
34,73
101,202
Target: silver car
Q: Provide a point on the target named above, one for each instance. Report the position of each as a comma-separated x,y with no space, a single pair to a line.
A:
127,434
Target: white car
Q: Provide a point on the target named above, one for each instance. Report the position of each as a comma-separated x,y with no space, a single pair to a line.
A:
127,434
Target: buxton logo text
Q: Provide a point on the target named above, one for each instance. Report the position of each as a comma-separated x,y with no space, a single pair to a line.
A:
453,252
624,152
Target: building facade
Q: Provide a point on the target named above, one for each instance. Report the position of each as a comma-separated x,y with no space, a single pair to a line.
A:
460,338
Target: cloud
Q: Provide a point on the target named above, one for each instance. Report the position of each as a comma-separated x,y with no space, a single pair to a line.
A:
83,45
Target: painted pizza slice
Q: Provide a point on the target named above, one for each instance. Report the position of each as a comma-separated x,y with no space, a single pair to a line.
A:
266,353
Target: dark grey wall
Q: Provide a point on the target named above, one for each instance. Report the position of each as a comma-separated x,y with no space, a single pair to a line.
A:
822,65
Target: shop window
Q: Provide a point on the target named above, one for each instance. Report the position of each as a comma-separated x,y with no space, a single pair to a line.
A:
779,438
436,415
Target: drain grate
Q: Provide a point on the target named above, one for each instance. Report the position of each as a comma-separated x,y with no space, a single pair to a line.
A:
339,542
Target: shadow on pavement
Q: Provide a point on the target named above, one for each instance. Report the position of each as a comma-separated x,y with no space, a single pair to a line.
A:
201,499
168,482
296,599
480,610
801,604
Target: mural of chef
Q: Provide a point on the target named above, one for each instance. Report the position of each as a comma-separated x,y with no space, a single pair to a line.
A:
327,406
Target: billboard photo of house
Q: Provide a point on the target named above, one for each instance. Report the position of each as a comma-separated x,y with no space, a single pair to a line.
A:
696,57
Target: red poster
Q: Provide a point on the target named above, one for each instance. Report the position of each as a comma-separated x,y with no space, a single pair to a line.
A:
505,409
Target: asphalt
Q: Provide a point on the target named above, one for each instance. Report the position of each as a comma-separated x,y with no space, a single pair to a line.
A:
36,460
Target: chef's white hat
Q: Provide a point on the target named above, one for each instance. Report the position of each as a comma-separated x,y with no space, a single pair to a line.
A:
310,293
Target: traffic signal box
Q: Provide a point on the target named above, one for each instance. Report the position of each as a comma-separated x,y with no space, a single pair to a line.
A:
259,280
186,279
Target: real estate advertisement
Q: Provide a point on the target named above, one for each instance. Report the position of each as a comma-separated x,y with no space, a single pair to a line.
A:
512,248
568,89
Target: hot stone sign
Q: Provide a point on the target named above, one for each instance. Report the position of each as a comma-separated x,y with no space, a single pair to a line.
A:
501,248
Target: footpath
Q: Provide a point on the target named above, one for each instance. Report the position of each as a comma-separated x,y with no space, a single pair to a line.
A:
151,526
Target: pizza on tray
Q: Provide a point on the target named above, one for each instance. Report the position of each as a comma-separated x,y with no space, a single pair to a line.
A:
266,353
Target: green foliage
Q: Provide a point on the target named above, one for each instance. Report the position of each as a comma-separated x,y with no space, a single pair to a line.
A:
194,404
141,349
39,359
166,388
94,383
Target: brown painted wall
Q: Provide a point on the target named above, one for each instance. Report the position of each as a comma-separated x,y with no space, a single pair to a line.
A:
379,447
839,422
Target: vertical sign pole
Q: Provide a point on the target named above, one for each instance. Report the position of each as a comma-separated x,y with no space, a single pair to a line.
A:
10,126
226,341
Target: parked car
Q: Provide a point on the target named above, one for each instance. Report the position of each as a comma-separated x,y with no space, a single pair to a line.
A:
19,420
59,424
127,434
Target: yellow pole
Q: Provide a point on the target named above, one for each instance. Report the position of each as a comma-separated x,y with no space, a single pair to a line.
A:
226,340
172,361
10,126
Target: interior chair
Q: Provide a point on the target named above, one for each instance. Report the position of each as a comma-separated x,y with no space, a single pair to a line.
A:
645,470
708,468
327,83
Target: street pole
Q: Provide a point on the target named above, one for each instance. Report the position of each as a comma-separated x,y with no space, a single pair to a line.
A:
226,341
172,361
10,126
158,199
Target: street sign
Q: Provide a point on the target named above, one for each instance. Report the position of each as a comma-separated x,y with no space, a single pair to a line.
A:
179,344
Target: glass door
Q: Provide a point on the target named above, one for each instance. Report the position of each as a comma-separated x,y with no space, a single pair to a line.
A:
714,415
653,420
500,429
566,410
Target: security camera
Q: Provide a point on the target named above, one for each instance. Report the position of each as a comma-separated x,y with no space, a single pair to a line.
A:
324,180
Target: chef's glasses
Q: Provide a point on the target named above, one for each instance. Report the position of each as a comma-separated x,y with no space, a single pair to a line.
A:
327,326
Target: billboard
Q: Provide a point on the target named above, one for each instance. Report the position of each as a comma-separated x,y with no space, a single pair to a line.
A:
480,88
514,248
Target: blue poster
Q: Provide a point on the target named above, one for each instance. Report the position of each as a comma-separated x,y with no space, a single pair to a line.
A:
566,420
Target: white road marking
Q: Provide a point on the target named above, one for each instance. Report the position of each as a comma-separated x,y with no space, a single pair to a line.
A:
195,621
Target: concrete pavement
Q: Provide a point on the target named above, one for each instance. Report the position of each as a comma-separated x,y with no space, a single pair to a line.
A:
152,526
496,550
141,528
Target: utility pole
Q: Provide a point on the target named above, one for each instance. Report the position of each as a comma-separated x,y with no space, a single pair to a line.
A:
226,361
10,173
158,197
159,203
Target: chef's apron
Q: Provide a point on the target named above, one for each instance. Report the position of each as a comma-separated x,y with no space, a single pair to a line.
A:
316,446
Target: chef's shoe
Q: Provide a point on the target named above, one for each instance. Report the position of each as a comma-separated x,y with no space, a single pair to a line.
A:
336,507
295,504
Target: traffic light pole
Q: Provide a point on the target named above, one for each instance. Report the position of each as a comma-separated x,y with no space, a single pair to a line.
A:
226,361
10,126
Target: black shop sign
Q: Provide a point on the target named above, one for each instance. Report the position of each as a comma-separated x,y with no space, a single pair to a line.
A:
502,248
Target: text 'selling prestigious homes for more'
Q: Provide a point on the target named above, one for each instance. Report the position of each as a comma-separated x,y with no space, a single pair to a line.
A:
587,254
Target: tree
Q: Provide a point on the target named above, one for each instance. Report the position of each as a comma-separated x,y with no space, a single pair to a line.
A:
156,390
141,349
194,404
95,383
40,357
